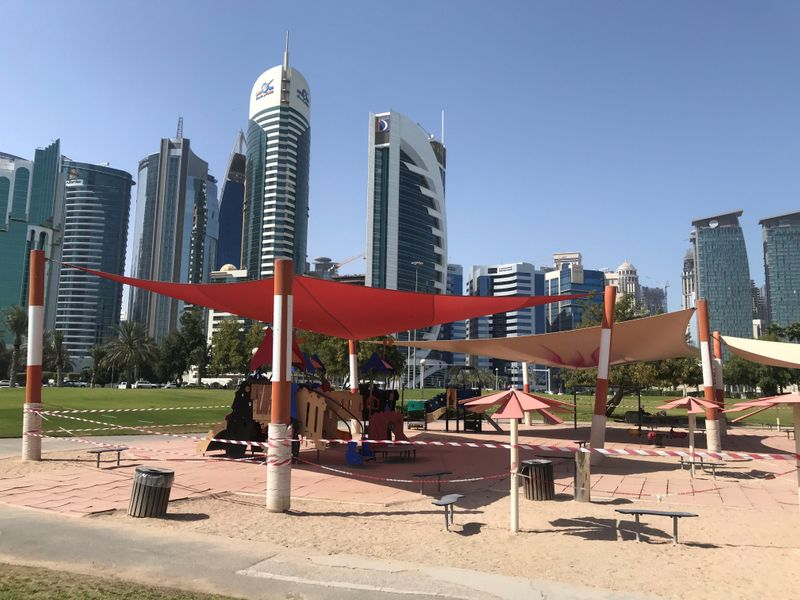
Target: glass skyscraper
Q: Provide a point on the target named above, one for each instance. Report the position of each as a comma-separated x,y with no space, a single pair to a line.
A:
176,231
723,274
569,277
96,205
31,208
231,205
781,236
276,179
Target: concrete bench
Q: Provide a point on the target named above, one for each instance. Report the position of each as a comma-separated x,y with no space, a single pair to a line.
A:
99,451
637,512
446,501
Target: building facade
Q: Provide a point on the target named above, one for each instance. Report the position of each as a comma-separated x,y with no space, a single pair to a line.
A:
31,214
569,277
628,282
458,329
654,300
515,279
97,201
781,236
276,176
176,231
722,273
231,207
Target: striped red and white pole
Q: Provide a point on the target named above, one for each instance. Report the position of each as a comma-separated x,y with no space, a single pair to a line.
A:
31,418
526,387
719,385
279,457
713,441
598,433
352,347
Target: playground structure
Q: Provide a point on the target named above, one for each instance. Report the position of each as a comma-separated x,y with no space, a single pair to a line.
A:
317,415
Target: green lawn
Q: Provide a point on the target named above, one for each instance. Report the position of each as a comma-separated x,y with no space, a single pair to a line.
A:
37,583
12,400
649,404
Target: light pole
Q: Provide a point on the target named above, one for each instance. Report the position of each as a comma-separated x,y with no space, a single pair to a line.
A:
416,264
495,379
422,376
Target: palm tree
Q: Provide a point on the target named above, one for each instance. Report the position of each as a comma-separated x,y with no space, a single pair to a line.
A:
16,322
98,353
61,357
131,350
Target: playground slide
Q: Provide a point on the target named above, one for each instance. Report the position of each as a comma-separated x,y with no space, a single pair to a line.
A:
435,414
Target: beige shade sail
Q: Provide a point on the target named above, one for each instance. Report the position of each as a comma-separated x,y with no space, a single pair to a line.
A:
640,340
776,354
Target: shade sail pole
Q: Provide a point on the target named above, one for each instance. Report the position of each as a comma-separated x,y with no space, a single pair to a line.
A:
279,456
32,418
514,477
598,433
692,425
713,442
526,387
352,347
719,386
797,448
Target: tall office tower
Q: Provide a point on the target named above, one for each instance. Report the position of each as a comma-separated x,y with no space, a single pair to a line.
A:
97,201
781,236
628,282
231,206
515,279
569,277
723,274
276,179
654,300
458,329
689,291
31,211
177,226
759,305
406,221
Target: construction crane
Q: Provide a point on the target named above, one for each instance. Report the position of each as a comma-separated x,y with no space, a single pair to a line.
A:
326,268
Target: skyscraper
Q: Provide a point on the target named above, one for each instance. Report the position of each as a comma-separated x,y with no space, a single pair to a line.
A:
175,237
515,279
569,277
781,237
96,206
458,329
31,209
628,282
723,274
276,179
231,206
654,300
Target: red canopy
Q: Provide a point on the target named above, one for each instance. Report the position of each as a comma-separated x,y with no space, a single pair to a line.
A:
694,405
514,403
337,309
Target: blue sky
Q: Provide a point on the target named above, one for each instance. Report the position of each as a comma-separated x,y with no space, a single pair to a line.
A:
602,127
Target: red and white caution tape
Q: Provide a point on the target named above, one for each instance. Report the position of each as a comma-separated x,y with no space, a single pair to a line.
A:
124,410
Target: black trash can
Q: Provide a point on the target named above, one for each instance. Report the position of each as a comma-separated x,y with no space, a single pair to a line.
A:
150,493
538,479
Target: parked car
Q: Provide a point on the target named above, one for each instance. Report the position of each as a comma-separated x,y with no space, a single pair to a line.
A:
142,384
123,385
170,385
5,383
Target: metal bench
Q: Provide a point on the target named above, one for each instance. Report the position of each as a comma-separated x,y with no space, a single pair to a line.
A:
446,501
702,465
637,512
99,451
424,476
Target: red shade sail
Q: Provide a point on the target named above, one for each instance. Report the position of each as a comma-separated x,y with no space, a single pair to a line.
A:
337,309
769,402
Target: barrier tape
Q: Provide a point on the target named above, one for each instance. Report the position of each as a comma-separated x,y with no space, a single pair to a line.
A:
118,410
489,445
113,428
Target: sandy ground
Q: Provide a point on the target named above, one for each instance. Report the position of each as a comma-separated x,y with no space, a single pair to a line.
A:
724,554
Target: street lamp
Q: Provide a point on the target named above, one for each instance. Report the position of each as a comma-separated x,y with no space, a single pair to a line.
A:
495,379
416,264
422,375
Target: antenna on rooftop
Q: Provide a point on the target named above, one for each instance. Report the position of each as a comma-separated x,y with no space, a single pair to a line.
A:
286,54
442,127
179,134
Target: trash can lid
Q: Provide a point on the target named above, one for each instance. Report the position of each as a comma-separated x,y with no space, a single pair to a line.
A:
154,471
537,461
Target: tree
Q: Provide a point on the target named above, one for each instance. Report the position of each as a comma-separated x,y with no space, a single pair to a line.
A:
228,353
131,351
193,337
98,353
58,359
16,322
172,358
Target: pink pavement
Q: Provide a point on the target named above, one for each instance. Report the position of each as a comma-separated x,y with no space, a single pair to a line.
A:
757,485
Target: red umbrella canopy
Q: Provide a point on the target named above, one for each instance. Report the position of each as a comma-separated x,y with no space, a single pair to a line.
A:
793,398
694,405
513,404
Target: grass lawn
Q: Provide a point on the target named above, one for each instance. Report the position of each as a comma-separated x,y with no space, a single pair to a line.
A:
28,583
11,401
649,404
